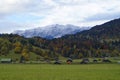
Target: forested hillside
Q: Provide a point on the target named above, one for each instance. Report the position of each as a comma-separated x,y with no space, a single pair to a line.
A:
100,41
15,44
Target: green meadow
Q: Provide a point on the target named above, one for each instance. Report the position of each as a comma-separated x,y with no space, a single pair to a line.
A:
60,72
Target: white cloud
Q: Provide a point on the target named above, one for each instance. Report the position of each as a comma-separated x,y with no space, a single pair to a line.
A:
77,12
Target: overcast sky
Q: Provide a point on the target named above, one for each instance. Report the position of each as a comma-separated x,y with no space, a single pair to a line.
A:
26,14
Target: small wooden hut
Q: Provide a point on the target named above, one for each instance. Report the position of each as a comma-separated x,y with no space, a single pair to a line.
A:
6,60
69,61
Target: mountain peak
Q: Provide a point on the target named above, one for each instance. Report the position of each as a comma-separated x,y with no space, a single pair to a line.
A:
51,31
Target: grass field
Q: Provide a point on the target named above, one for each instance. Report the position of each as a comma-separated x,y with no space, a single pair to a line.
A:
59,72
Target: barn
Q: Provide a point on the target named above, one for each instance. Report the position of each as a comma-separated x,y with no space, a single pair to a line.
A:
6,60
85,61
69,61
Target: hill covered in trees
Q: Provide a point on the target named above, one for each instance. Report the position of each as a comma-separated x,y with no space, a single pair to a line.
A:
100,41
24,47
109,30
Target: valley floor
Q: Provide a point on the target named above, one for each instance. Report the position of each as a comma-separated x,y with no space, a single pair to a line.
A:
59,72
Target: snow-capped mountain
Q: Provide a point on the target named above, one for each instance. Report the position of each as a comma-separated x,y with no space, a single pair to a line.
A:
51,31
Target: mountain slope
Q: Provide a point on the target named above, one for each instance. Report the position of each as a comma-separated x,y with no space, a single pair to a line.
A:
15,46
100,41
51,31
109,30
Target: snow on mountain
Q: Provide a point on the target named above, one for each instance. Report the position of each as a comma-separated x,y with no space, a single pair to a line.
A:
51,31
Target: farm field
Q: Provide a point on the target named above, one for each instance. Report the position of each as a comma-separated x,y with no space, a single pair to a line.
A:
59,72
